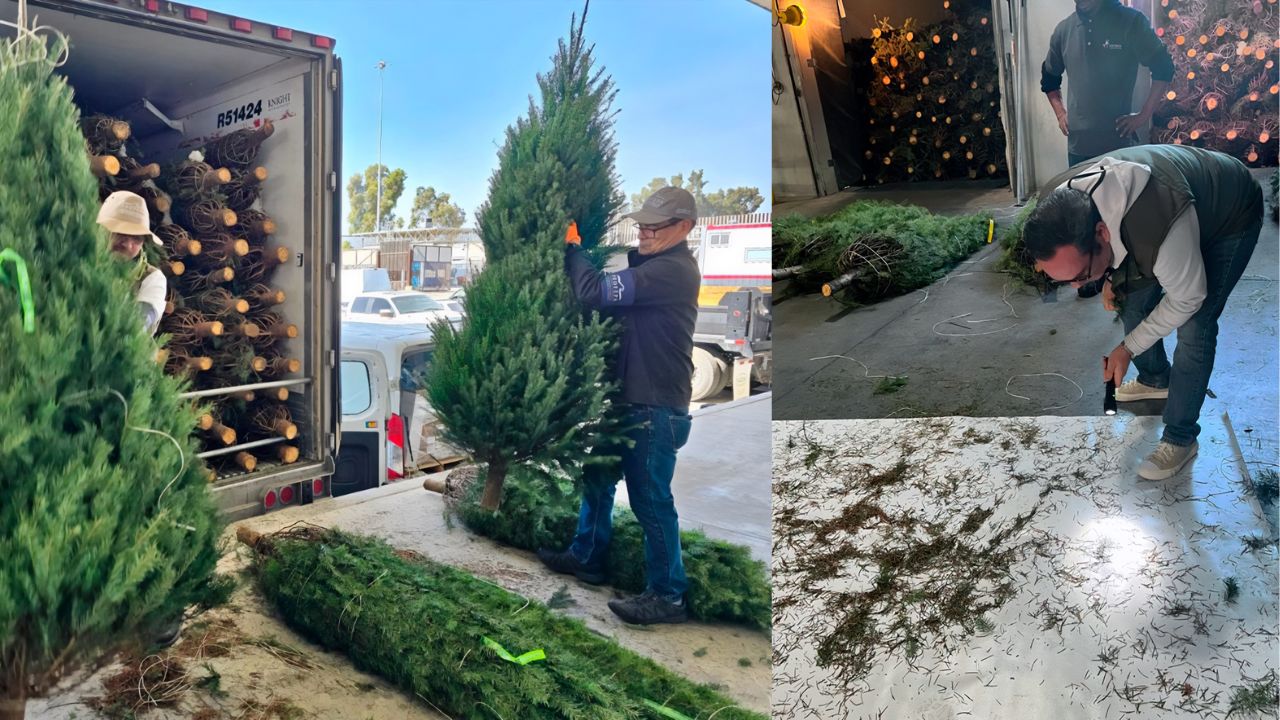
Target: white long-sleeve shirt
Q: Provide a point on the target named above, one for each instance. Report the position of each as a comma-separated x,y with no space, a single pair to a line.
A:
1179,265
151,299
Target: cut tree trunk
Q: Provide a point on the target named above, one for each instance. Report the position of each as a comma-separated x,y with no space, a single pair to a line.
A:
493,481
13,708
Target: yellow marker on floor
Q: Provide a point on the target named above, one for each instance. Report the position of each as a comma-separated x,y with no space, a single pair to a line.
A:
991,230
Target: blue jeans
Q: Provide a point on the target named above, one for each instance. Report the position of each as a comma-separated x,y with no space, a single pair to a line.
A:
1188,377
648,467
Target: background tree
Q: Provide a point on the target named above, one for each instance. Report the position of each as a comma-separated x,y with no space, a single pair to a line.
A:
107,527
933,98
362,198
728,201
1225,78
439,208
525,380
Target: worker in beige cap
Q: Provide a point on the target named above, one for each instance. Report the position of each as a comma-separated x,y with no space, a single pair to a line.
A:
125,216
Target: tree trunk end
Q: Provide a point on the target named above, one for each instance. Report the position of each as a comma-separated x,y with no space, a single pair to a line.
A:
493,482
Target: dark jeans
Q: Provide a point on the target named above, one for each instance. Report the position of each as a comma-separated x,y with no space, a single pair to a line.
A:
647,467
1188,377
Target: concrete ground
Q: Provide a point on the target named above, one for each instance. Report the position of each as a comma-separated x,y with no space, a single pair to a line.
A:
964,350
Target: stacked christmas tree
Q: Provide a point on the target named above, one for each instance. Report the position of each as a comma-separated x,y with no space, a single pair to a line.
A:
933,99
1225,80
106,524
223,321
525,380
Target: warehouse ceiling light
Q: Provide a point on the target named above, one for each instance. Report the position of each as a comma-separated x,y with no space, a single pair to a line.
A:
793,15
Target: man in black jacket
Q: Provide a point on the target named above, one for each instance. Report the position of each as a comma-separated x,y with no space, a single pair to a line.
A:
656,301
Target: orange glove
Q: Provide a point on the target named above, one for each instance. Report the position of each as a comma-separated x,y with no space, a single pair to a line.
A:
571,237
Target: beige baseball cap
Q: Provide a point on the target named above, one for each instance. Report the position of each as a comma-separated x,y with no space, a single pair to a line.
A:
126,213
669,203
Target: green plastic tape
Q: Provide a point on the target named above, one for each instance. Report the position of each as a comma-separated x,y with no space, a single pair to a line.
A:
525,659
665,711
23,282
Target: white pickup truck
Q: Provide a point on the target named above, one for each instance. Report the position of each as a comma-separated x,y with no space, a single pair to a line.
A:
400,307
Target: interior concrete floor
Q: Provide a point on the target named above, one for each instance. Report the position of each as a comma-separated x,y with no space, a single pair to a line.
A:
973,342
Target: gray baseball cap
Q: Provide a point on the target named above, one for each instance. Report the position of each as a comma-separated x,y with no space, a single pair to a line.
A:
669,203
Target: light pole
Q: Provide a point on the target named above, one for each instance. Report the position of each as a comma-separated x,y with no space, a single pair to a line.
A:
377,211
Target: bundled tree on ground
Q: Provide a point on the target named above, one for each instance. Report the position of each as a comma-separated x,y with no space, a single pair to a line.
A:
106,526
526,379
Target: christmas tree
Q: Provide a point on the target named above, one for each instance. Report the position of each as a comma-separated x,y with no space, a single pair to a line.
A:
933,99
106,526
1225,79
525,380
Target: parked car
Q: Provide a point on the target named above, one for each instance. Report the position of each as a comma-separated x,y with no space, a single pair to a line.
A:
401,307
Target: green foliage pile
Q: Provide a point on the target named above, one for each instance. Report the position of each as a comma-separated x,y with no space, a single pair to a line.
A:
422,626
541,511
933,98
1014,258
107,528
928,246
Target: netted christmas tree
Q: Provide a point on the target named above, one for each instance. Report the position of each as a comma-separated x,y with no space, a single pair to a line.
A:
933,98
1225,79
107,528
525,380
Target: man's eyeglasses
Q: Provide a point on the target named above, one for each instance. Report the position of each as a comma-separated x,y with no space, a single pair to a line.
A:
659,226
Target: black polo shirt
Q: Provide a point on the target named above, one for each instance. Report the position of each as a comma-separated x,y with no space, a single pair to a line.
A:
656,301
1100,53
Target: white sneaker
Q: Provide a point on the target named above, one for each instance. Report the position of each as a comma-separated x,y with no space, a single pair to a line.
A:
1167,460
1134,390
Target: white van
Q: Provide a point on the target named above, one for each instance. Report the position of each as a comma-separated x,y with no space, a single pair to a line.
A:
388,429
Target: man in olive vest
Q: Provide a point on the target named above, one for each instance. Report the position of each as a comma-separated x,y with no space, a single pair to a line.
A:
1170,229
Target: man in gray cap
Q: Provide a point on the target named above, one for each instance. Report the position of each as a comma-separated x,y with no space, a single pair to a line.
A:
656,301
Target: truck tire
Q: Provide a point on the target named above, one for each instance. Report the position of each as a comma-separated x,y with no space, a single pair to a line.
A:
708,374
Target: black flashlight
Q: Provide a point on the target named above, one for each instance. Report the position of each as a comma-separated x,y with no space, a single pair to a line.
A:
1109,400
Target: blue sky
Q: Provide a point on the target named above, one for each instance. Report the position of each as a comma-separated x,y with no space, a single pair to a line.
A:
692,78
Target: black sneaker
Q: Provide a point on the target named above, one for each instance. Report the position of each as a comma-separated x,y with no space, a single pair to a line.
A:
649,609
169,634
564,562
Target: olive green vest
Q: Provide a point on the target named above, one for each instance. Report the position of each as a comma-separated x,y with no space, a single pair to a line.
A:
1225,195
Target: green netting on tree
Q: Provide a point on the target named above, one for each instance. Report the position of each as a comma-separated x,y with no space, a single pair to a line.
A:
105,533
526,379
541,511
422,626
889,249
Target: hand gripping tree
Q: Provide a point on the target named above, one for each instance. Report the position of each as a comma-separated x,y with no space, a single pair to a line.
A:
526,379
107,529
